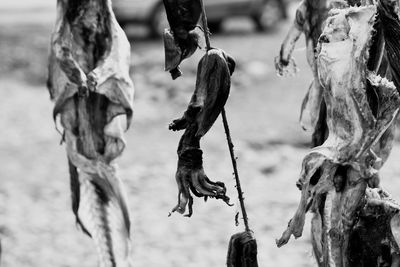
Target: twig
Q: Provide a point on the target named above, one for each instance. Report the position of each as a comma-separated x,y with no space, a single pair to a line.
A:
227,131
205,26
234,164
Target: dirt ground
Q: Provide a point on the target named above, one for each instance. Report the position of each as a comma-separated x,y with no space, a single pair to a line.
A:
36,223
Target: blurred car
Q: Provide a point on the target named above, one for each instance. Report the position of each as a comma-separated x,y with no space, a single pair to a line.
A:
264,13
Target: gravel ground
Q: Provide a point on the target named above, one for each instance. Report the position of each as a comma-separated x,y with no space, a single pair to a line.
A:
36,222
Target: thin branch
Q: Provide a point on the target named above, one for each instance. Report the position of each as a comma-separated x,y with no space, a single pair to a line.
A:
205,26
227,131
235,170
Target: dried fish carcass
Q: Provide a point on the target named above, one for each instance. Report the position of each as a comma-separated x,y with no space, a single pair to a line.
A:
90,84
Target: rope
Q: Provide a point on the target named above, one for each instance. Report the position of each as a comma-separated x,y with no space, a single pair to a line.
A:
227,131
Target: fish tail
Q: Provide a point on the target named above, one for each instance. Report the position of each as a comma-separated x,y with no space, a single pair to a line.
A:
103,215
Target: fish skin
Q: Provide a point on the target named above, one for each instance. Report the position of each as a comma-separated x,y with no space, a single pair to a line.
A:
102,214
90,84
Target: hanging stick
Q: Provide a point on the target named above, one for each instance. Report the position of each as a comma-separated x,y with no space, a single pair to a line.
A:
242,249
205,26
227,131
234,164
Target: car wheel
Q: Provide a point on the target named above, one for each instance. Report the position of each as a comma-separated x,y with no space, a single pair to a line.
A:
158,21
123,24
215,26
272,12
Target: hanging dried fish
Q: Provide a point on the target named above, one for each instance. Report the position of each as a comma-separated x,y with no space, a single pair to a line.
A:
180,41
310,18
211,93
375,238
90,84
355,127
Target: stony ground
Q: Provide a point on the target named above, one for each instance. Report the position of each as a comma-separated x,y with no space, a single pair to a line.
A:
36,223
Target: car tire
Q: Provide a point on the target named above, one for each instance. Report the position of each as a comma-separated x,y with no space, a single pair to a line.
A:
272,12
158,21
215,26
123,24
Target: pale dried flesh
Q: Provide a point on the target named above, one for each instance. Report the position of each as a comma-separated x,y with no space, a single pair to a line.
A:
90,84
309,20
335,175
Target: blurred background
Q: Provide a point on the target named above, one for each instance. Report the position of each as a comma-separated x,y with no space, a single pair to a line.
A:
37,226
